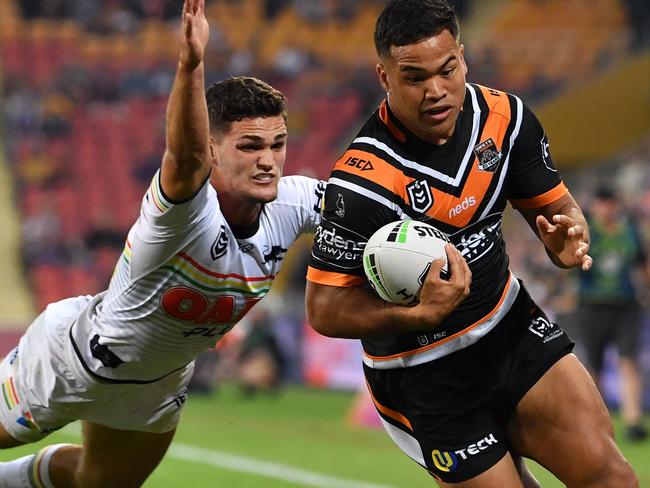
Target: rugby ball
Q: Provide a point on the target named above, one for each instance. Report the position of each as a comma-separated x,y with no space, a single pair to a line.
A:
397,258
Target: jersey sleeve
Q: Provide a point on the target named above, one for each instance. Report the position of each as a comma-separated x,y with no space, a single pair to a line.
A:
352,212
533,179
308,194
165,227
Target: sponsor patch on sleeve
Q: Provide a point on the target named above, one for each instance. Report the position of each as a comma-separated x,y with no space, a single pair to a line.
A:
338,246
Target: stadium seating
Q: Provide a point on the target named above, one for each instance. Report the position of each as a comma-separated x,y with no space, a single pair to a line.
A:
557,41
88,108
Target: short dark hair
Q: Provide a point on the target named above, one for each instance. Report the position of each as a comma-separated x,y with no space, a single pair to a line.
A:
404,22
242,97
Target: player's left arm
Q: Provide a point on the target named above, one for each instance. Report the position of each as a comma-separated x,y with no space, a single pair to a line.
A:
537,191
563,229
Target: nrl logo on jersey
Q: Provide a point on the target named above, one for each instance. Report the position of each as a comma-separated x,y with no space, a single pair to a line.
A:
420,196
340,206
220,244
488,155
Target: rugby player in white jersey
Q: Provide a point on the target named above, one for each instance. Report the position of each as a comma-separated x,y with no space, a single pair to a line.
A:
194,263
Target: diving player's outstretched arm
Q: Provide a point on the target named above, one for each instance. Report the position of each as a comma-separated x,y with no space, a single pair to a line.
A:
186,162
355,313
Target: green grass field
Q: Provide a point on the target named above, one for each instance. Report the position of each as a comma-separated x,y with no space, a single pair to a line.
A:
297,438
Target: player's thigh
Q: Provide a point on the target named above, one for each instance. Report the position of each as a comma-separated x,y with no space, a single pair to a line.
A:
563,424
7,441
503,474
121,458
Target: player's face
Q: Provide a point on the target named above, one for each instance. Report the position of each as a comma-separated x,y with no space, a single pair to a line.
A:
425,83
249,158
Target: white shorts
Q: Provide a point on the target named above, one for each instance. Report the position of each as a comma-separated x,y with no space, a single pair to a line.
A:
44,387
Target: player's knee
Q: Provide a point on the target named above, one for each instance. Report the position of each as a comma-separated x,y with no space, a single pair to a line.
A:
104,477
620,474
604,466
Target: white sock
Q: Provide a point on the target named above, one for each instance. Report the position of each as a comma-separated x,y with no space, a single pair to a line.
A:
40,468
31,471
15,474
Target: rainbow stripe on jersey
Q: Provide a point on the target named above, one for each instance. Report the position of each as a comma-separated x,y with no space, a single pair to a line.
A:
28,421
189,270
9,393
156,196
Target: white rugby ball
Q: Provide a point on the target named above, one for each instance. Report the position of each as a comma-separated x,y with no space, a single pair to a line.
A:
397,258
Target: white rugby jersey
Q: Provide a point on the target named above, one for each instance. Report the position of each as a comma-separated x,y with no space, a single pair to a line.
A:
186,278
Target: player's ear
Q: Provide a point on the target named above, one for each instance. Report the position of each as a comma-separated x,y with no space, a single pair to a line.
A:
461,56
212,150
383,77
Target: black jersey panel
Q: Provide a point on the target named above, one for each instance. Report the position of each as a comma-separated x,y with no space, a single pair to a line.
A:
532,170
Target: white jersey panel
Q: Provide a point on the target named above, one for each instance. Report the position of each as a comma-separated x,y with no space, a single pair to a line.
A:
185,279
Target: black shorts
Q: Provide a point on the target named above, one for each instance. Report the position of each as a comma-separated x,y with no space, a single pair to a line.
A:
602,325
450,414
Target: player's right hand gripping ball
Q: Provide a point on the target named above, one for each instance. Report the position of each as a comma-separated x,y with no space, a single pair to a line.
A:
397,258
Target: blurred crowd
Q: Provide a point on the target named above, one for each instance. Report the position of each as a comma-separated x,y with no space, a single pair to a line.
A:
553,288
85,85
607,310
123,15
100,16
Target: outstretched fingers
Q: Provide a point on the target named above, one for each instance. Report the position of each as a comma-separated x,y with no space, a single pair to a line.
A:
191,6
192,9
578,234
187,18
195,33
572,229
582,255
565,221
544,226
187,26
576,231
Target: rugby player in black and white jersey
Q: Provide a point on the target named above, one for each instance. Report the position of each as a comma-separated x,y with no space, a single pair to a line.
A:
475,375
209,241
